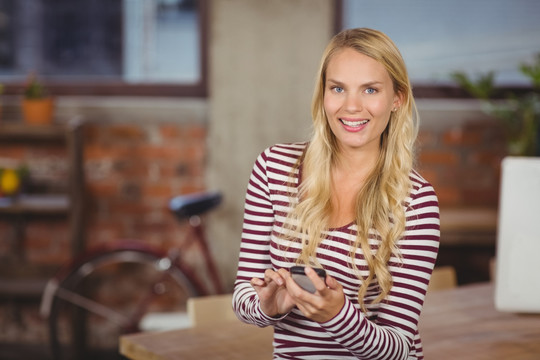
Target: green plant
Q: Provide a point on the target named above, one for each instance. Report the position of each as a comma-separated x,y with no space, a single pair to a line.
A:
481,88
34,89
518,113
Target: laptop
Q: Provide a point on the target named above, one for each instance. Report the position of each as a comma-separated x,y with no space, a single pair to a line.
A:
517,279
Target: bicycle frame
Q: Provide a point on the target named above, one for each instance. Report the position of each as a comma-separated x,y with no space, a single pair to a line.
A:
167,265
172,258
195,223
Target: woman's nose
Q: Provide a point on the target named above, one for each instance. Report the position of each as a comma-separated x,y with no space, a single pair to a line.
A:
353,103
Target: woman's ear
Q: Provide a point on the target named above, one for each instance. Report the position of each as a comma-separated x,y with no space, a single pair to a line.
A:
398,101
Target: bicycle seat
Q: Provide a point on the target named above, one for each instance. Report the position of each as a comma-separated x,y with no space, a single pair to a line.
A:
185,206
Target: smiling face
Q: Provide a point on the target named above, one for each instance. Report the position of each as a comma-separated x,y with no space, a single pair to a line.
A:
358,100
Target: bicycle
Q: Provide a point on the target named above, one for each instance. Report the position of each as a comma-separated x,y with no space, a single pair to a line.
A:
115,289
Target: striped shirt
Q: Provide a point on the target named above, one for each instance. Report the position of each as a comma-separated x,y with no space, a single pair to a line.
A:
388,330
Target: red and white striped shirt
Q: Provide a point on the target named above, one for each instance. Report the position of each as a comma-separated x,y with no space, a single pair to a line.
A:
389,330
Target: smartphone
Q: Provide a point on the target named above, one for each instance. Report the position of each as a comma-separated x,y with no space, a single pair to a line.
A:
299,276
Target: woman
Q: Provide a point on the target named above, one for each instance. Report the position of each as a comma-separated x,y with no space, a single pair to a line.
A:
349,201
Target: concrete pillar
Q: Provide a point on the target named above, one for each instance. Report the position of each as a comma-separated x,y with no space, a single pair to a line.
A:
263,58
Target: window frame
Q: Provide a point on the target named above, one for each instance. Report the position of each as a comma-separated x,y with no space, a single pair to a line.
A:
120,88
429,91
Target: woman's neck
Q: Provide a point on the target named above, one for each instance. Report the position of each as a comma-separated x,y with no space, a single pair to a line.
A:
354,163
349,174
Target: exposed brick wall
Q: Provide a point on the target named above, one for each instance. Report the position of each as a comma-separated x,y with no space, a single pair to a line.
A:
462,160
464,163
132,171
460,153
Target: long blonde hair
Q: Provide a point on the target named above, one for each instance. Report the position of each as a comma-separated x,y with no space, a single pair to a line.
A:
379,204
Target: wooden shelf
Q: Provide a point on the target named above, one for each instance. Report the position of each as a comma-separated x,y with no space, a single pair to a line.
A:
35,205
25,282
16,279
31,288
19,131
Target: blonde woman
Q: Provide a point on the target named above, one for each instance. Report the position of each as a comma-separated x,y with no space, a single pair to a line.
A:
349,202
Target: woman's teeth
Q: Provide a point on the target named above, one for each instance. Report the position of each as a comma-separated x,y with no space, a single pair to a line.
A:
354,123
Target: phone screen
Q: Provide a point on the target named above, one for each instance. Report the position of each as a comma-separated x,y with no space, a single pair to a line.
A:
299,276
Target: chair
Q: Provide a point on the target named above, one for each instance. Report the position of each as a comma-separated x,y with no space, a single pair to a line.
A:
443,277
207,310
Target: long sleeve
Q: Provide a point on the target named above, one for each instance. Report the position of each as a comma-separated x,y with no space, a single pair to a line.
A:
389,330
392,332
254,256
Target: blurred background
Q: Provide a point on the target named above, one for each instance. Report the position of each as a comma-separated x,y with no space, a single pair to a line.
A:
177,96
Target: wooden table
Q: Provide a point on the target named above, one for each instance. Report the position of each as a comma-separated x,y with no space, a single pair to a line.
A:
231,340
460,323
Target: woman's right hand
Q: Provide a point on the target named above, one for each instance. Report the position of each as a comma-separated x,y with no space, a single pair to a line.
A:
273,295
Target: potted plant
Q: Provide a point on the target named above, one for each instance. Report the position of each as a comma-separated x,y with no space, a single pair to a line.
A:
37,104
518,113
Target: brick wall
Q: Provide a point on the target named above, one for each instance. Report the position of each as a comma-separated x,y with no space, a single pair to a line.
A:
463,162
460,151
135,160
460,154
132,171
134,167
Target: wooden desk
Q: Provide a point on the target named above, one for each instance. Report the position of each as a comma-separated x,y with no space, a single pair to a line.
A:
231,340
460,323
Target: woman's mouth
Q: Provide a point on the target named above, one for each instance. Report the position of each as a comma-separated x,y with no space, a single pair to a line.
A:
353,125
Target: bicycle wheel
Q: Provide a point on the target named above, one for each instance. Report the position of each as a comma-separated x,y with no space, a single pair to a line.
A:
111,294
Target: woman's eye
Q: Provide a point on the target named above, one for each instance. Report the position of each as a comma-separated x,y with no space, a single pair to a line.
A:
338,89
370,91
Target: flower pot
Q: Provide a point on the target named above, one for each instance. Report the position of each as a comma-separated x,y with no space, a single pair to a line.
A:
38,111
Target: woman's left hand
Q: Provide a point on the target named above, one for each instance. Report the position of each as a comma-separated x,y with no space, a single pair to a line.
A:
321,306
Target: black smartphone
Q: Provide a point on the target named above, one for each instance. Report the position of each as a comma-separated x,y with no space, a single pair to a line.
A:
299,276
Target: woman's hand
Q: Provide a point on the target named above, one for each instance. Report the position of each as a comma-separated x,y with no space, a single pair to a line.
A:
273,295
322,306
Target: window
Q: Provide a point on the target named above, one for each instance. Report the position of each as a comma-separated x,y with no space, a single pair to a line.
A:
126,47
437,38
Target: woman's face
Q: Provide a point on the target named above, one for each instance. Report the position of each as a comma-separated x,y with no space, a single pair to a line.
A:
358,99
